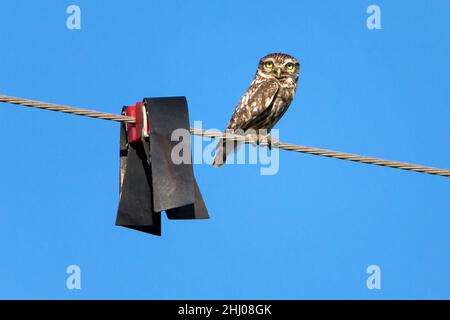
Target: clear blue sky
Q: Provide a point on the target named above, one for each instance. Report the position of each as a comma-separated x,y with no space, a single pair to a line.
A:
308,232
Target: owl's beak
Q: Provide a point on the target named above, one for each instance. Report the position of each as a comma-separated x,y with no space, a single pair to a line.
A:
278,72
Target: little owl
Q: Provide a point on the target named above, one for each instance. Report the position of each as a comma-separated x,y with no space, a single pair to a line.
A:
265,101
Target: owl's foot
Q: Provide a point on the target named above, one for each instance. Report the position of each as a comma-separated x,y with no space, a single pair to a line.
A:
263,141
253,139
269,141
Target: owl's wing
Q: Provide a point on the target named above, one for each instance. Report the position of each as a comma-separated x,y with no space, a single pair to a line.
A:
254,104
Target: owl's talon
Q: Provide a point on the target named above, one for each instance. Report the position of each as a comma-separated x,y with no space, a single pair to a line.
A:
253,139
274,143
269,141
264,141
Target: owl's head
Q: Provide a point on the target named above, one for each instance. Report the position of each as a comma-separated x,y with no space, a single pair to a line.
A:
280,66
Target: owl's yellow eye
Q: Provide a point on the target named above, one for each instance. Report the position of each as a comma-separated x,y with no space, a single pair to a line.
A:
268,64
290,66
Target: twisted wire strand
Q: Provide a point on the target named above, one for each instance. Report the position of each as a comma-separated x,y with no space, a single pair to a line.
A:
66,109
235,137
330,153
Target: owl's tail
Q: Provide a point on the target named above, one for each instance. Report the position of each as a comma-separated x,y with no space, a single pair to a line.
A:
224,149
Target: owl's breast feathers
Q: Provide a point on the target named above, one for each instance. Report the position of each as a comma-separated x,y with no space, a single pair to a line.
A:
262,105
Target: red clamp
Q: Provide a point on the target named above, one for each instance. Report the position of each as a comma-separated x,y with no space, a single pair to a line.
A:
140,129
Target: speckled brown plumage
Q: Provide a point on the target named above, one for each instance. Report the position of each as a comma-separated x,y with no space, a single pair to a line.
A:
266,100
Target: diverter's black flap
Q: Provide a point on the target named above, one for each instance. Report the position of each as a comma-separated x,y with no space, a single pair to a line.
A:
135,204
173,184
